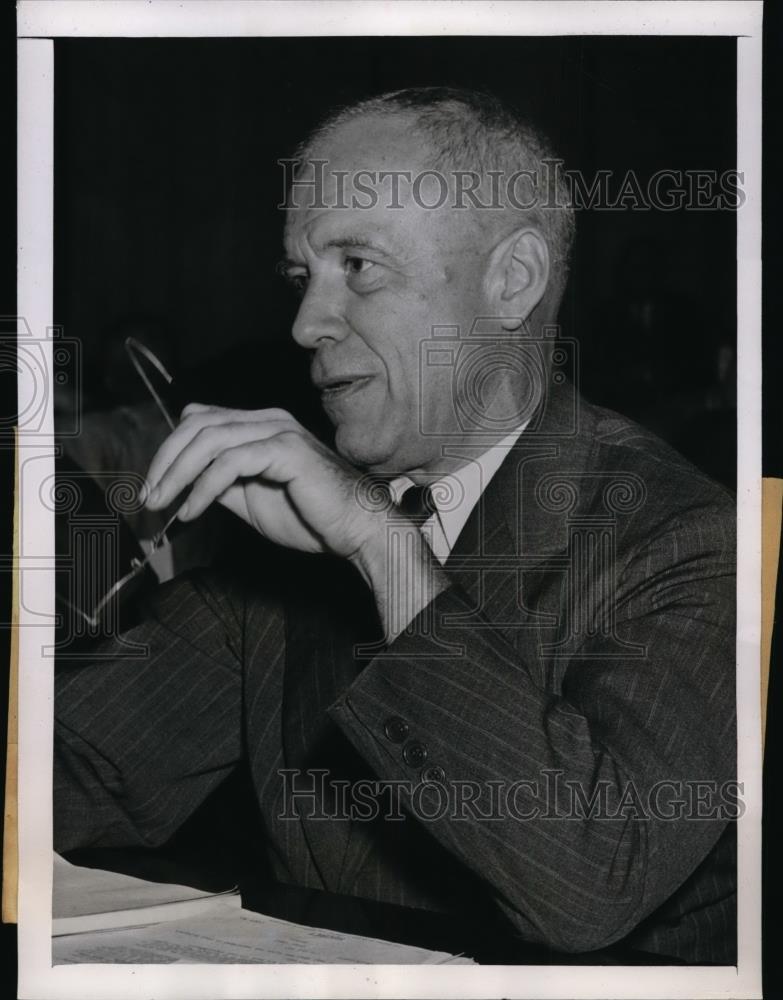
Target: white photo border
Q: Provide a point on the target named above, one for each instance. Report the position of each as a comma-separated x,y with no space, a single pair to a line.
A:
38,23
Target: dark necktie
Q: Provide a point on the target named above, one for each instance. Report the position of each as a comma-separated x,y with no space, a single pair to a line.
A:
418,503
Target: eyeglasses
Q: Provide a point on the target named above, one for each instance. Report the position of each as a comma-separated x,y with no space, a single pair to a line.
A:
169,399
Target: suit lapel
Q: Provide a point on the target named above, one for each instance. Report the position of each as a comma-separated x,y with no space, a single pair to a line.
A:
517,533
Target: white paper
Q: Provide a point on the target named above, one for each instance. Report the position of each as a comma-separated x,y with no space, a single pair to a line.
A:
79,893
102,916
226,934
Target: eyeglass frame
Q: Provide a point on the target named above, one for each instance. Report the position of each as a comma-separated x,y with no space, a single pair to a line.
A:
134,348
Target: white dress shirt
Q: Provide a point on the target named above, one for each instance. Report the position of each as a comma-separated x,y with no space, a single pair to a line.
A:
456,494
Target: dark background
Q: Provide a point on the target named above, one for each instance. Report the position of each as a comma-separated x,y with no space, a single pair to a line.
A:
167,226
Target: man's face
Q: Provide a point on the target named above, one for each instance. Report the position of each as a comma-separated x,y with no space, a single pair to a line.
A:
375,281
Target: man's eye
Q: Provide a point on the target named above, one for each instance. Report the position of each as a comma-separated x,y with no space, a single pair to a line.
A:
357,265
298,282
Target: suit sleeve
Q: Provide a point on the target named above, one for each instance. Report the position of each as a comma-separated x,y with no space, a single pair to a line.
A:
147,727
584,805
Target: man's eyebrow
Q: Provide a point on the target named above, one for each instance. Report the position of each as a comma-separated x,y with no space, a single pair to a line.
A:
355,243
339,243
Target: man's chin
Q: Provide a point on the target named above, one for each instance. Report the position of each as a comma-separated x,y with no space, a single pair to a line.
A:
369,449
360,450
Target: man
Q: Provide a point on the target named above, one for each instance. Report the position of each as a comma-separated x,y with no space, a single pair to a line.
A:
543,676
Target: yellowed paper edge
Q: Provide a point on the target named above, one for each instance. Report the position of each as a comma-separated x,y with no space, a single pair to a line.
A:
771,510
10,828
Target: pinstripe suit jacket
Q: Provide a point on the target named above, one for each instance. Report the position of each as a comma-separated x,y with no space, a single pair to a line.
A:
579,668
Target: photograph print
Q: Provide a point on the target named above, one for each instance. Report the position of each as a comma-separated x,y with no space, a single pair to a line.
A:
396,414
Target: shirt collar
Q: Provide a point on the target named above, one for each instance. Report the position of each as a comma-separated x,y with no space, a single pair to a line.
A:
457,493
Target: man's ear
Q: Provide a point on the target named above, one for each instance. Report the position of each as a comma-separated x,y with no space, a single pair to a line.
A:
517,276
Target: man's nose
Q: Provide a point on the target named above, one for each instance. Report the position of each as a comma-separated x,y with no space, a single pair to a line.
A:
320,318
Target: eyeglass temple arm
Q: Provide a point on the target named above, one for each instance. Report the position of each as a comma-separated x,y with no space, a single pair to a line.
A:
137,565
132,347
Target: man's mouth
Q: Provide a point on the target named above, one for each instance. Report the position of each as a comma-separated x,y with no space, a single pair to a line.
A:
341,385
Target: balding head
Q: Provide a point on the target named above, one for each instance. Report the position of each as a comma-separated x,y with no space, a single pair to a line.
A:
499,170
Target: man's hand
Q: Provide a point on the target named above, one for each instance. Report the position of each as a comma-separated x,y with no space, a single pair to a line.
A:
265,467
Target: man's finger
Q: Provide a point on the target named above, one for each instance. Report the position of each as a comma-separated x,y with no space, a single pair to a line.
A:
204,446
271,413
267,459
192,408
194,421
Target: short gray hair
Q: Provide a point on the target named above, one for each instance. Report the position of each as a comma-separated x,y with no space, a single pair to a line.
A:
474,131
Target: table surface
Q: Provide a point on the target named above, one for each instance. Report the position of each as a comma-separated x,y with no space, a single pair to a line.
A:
457,934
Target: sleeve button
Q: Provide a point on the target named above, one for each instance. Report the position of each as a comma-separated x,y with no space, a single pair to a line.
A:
396,729
433,773
414,754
